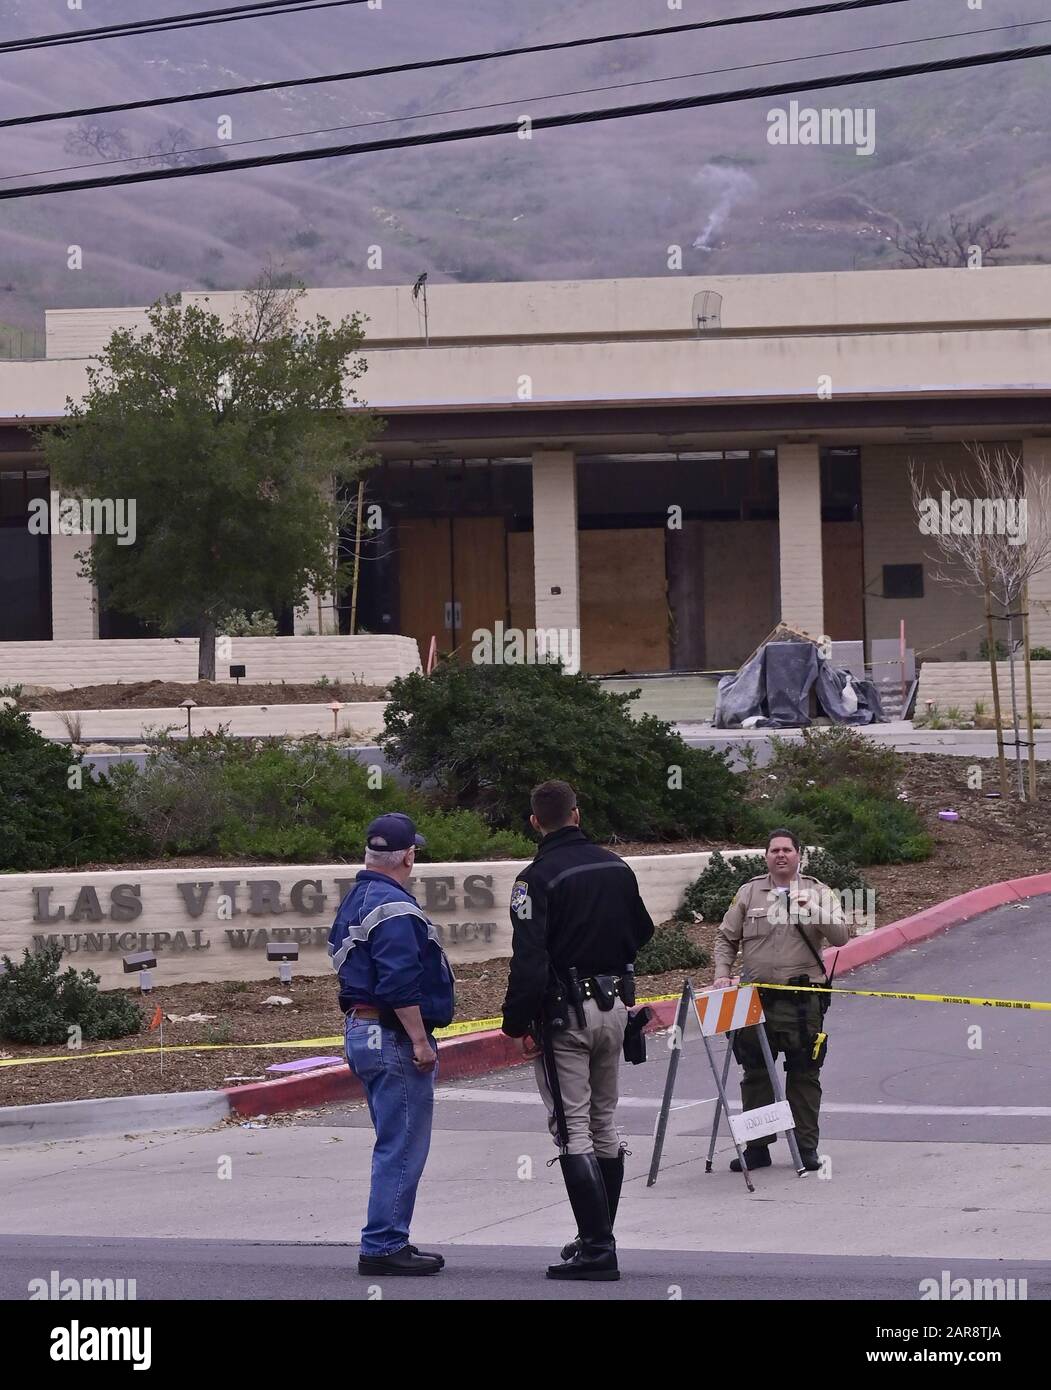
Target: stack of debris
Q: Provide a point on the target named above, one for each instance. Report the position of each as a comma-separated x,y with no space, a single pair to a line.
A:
774,687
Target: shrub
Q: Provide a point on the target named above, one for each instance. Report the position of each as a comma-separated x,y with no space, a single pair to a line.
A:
710,894
44,821
1035,654
295,803
852,824
481,737
1001,650
832,755
238,623
670,948
841,874
38,1005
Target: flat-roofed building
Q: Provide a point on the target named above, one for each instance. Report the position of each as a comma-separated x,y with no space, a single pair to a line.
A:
667,466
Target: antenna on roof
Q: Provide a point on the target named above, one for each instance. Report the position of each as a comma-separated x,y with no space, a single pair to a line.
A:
418,290
707,311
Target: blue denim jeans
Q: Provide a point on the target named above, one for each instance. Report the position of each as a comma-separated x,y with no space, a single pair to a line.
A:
401,1103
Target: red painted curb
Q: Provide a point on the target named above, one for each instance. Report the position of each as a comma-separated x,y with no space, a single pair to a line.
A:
921,925
478,1053
472,1055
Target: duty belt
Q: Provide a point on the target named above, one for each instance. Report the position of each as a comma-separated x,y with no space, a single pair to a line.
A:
592,988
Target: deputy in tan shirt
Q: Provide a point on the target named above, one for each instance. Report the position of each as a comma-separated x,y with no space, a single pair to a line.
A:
780,921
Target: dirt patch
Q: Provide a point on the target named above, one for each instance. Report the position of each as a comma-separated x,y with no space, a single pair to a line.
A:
168,694
993,840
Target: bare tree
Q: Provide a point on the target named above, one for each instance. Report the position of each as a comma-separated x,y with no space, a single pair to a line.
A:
993,534
92,137
269,308
925,245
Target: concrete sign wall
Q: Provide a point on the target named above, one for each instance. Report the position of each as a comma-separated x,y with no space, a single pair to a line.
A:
214,924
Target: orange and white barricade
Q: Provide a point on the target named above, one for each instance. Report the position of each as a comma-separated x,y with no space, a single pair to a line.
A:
723,1012
726,1010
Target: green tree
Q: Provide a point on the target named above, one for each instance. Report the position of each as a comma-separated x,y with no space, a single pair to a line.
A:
232,440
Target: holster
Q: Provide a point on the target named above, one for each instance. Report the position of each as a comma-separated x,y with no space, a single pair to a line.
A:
634,1037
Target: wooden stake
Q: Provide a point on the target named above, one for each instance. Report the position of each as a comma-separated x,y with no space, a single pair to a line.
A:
991,640
1029,691
357,558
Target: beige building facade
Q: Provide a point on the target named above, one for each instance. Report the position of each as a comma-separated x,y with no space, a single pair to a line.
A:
589,457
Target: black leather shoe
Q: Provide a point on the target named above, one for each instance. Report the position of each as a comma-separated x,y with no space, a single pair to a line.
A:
407,1260
811,1161
428,1254
612,1170
753,1158
597,1257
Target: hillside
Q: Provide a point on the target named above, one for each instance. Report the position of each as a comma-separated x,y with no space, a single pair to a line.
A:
589,202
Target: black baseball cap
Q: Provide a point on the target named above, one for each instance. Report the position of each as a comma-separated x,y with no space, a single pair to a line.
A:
392,831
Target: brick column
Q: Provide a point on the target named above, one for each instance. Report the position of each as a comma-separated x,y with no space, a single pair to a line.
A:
1036,462
74,612
556,570
799,528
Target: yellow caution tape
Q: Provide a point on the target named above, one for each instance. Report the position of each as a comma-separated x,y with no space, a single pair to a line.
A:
923,998
454,1030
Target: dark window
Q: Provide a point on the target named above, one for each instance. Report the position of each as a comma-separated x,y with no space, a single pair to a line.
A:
25,561
902,581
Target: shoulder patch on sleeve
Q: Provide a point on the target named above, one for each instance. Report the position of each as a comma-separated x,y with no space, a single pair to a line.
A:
519,893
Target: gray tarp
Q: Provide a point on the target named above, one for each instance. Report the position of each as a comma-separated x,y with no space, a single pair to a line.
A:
773,688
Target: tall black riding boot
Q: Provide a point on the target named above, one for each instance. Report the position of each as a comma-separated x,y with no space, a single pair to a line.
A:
612,1170
597,1256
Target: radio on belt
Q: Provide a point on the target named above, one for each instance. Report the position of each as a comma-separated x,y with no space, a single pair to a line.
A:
284,952
142,962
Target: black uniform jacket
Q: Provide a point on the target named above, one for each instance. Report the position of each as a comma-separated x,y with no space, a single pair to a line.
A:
576,904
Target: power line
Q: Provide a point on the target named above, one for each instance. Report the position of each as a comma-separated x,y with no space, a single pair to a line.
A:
387,70
810,84
90,35
163,23
522,101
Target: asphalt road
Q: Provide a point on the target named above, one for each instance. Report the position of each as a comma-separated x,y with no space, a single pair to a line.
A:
198,1269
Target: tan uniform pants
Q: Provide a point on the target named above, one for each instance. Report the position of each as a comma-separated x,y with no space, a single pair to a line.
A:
588,1065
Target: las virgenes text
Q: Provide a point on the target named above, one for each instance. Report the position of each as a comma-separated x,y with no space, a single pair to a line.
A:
261,897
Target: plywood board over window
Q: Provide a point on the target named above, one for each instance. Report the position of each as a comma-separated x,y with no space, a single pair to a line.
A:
623,597
843,578
623,600
741,598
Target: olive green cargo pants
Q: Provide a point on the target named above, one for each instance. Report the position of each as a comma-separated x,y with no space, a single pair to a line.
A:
802,1072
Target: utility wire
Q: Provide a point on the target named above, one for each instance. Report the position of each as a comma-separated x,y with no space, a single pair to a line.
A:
809,84
190,22
163,23
423,64
515,101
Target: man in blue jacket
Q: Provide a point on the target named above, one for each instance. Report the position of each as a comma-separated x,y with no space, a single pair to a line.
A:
395,988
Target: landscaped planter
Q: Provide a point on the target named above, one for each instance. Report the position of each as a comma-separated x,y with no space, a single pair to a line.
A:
214,923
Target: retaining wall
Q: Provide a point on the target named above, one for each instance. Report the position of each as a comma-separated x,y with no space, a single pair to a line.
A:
298,660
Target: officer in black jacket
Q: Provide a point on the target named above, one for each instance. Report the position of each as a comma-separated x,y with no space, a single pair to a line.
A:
578,922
